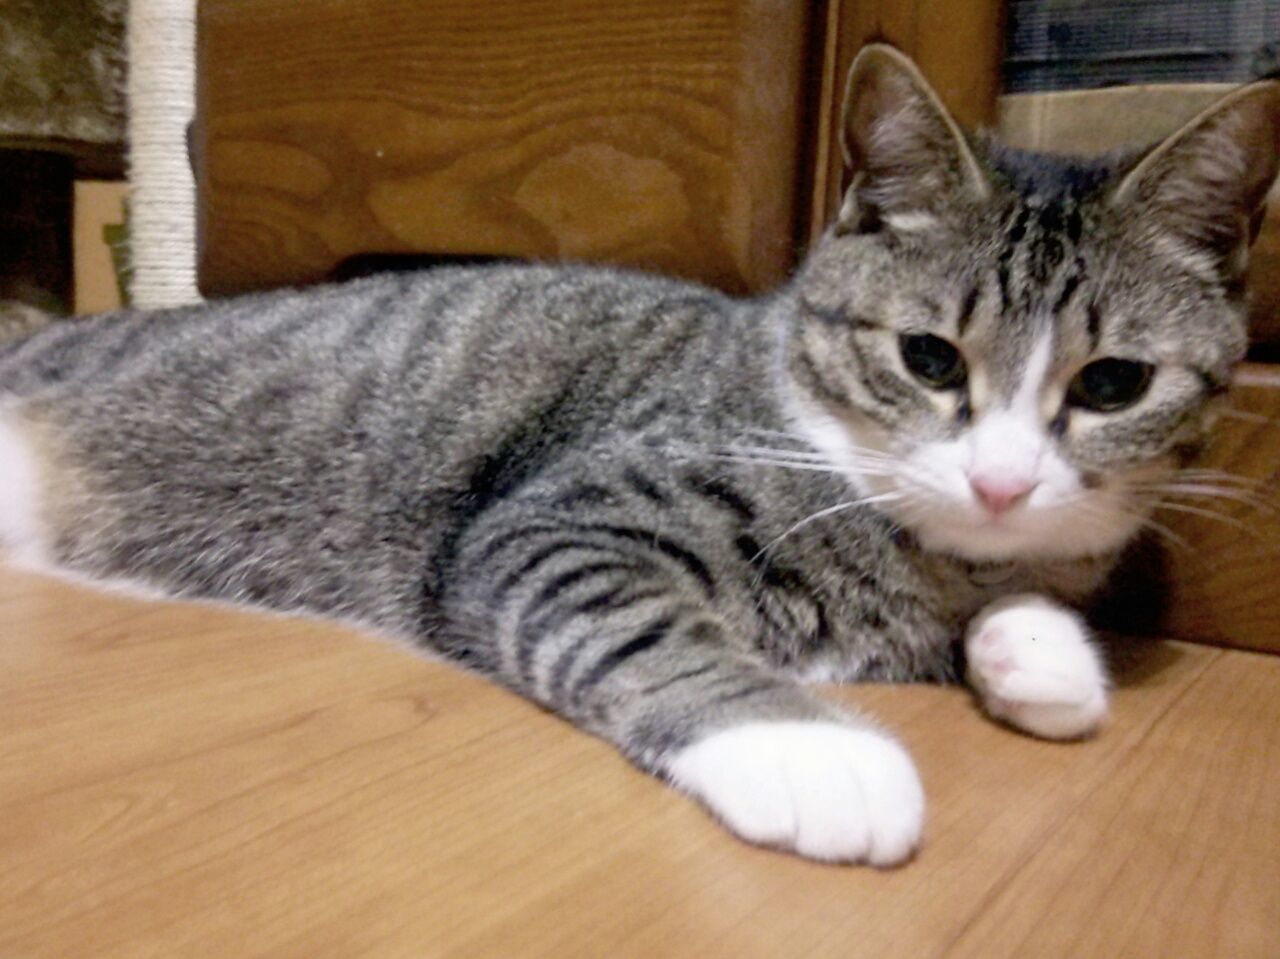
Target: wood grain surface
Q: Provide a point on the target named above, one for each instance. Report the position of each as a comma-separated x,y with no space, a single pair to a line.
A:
958,45
189,781
1225,576
663,134
99,204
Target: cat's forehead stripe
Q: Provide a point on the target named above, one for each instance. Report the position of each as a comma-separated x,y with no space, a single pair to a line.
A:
1040,238
1093,324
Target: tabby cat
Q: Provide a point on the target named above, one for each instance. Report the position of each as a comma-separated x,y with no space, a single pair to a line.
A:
659,511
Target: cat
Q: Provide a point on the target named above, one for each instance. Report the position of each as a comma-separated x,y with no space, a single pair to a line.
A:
660,512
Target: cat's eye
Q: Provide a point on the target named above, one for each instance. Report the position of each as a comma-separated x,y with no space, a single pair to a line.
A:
1109,385
933,360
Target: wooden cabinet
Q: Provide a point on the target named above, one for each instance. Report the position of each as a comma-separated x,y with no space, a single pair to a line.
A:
663,134
687,136
1224,577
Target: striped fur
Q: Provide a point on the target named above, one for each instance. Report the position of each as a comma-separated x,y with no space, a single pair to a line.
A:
631,499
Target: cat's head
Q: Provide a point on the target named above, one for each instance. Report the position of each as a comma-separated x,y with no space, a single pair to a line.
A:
1009,351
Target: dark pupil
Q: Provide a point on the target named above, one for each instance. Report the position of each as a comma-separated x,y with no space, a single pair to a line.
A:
1110,384
934,360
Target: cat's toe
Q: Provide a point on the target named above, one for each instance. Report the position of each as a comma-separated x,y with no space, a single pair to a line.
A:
824,790
1033,665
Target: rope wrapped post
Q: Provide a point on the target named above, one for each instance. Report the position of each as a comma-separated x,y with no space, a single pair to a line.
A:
161,88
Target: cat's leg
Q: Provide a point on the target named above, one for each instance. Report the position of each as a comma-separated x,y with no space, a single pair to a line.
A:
619,633
776,764
1033,665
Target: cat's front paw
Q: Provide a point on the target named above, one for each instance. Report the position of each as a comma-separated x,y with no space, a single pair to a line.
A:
1033,666
824,790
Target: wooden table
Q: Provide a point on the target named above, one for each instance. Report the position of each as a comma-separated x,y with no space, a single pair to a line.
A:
183,781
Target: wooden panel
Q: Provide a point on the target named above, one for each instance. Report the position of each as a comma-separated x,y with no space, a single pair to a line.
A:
1225,579
190,781
1096,121
1264,276
958,45
662,134
98,204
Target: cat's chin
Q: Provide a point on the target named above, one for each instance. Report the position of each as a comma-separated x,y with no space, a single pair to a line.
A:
1023,539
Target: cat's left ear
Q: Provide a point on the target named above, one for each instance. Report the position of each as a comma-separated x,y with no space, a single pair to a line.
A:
908,157
1204,186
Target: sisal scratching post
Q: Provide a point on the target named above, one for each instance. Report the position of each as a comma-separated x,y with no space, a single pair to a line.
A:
161,87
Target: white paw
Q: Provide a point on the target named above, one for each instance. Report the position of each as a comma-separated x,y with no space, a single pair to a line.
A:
1033,665
822,789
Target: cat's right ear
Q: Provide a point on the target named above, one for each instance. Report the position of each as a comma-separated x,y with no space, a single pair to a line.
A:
908,157
1203,190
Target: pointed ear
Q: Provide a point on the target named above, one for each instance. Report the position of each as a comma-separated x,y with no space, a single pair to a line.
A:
908,156
1204,187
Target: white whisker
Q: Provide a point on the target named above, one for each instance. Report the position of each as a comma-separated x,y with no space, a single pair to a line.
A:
1104,516
1207,491
769,451
1249,417
830,510
1205,513
1222,476
780,434
781,464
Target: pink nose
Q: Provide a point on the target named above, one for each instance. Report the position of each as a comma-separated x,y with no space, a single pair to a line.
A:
1000,494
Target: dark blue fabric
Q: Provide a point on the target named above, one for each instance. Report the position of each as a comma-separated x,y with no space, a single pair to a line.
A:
1072,44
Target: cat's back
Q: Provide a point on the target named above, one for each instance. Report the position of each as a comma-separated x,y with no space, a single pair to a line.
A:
524,320
400,382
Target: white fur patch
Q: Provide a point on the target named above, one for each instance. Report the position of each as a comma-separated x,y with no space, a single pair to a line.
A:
1026,401
822,789
911,222
21,533
1033,665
